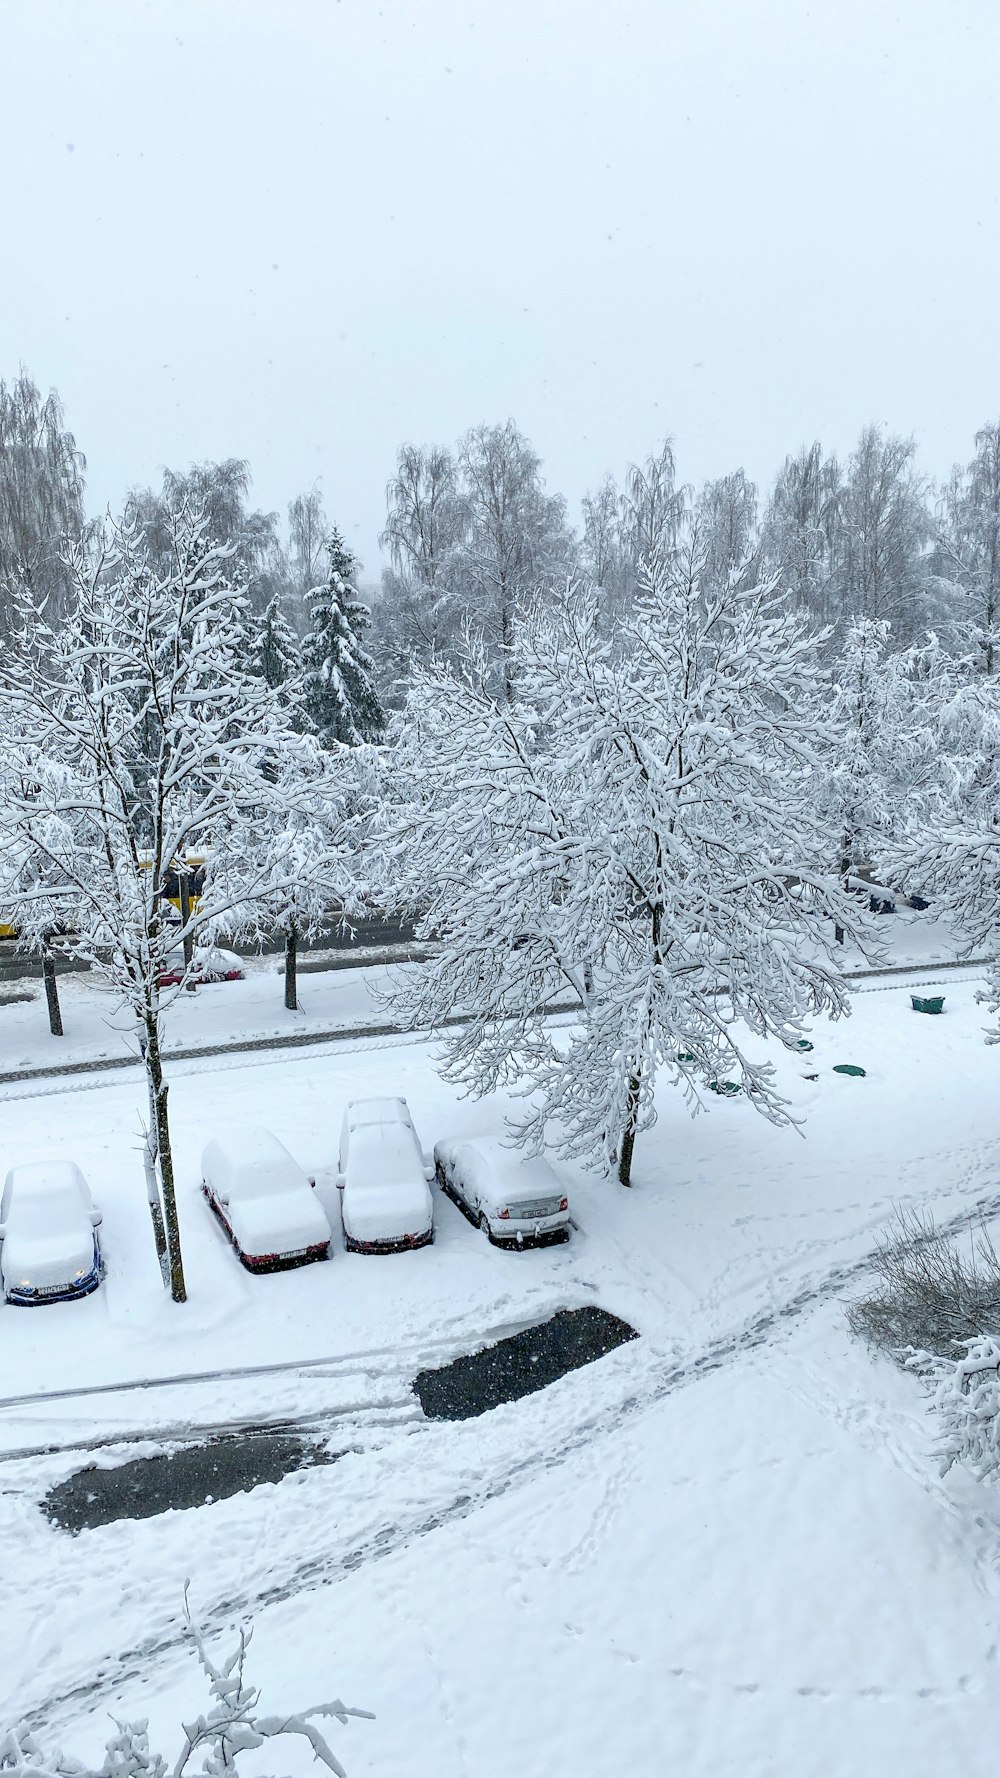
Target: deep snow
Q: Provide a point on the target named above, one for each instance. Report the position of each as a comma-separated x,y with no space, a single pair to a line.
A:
722,1549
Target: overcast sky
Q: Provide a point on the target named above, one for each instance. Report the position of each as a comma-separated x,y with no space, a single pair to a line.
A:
304,231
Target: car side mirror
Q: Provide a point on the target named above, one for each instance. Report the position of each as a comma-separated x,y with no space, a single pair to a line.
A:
340,1182
96,1219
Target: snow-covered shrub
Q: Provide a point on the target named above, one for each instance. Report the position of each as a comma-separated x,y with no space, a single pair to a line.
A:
232,1725
967,1402
930,1298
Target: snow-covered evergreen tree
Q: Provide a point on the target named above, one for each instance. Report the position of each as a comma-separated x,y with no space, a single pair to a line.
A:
638,833
274,647
339,697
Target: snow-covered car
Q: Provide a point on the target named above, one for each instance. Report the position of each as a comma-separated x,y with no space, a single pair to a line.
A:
517,1203
49,1248
383,1179
210,964
264,1201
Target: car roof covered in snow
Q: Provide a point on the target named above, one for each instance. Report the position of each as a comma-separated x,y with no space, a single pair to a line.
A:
52,1175
251,1162
362,1112
384,1154
40,1190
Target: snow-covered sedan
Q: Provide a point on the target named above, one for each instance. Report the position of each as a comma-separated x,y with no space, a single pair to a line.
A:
517,1203
210,964
49,1249
264,1201
383,1179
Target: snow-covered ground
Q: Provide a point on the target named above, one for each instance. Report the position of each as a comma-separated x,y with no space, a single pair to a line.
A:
723,1549
95,1028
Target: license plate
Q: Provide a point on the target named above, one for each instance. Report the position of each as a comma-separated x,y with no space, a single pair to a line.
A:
530,1212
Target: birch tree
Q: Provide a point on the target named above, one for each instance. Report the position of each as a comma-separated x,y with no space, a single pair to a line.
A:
41,499
969,541
515,538
135,734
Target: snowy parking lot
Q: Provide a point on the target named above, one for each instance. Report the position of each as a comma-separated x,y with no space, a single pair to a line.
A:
722,1548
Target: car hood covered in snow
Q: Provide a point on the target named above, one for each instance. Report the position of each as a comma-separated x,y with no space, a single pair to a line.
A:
44,1261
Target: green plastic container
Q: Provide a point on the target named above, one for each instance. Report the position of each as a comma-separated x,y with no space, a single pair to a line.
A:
928,1003
804,1044
727,1088
848,1068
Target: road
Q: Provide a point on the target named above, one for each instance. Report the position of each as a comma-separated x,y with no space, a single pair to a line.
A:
15,966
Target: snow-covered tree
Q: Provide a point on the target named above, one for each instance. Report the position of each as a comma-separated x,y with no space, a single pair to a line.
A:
952,848
274,647
419,613
969,542
653,508
882,764
133,735
637,831
603,553
515,541
308,530
218,491
41,499
801,528
339,697
726,516
296,872
883,525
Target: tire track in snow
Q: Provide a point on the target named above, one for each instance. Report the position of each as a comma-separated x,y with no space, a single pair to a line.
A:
664,1377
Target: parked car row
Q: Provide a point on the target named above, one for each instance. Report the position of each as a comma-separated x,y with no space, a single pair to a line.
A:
270,1211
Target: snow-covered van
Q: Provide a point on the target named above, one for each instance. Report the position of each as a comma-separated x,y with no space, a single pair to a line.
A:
49,1250
383,1179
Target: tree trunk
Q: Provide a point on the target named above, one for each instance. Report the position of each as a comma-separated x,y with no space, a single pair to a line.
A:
291,960
150,1155
507,644
51,992
627,1143
158,1090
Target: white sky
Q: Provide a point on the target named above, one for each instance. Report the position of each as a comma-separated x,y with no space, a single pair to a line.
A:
303,231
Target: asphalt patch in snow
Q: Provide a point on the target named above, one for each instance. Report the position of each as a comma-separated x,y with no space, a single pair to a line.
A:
192,1476
521,1365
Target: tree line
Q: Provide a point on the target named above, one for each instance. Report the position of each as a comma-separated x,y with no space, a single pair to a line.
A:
639,773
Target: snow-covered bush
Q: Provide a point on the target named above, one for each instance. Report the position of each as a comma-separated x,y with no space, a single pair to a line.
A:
930,1298
967,1401
232,1725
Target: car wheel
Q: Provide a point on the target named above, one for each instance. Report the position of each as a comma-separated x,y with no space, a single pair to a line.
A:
484,1223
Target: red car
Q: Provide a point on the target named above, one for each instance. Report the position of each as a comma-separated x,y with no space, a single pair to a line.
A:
211,964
